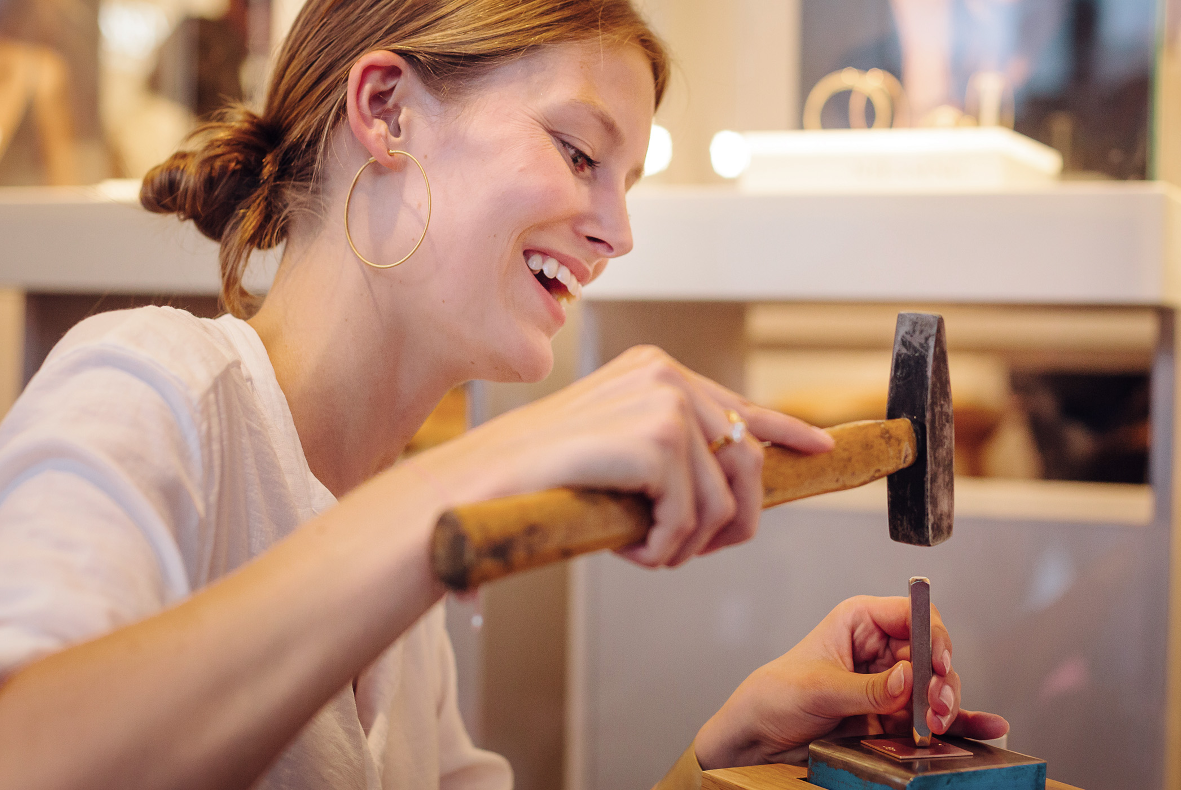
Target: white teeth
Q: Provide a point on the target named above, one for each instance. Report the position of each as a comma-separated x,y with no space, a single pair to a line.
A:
570,281
554,270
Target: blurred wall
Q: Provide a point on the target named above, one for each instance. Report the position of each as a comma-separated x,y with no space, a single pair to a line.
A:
1168,97
736,66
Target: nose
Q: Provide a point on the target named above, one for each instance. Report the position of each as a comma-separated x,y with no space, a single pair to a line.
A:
607,226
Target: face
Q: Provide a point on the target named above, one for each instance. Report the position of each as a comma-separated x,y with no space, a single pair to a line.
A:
529,172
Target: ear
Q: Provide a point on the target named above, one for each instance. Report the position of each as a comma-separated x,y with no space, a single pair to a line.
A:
381,87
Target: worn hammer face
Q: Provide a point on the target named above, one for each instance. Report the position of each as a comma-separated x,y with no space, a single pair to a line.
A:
921,495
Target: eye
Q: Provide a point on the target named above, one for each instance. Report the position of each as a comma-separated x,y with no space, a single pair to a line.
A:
581,163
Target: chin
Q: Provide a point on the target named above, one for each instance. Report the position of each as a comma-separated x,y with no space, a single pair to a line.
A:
535,367
528,363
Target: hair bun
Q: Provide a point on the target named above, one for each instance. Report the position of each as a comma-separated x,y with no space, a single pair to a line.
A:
229,164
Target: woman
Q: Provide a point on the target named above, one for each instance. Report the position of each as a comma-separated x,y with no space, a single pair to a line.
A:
214,505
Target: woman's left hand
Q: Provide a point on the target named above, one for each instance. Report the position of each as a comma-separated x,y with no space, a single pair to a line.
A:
851,674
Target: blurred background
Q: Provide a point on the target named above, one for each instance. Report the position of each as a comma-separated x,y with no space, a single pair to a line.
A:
131,77
95,90
597,675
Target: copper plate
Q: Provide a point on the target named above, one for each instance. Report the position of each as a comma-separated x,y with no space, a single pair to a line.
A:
904,750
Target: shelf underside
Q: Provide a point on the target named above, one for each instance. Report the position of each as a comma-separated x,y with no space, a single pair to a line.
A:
1024,500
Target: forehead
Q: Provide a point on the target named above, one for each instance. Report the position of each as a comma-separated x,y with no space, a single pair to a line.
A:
611,69
614,77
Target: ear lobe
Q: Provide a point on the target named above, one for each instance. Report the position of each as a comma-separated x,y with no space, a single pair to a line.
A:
379,83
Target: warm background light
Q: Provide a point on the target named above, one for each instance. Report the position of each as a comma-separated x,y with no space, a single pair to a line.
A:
660,151
729,153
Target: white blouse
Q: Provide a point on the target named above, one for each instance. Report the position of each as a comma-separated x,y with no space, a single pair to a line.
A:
153,453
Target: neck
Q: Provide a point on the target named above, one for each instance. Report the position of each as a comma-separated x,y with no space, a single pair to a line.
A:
357,383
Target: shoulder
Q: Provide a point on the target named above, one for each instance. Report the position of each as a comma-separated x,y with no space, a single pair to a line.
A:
155,343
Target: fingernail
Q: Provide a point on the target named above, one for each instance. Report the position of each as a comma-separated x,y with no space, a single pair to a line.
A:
945,722
896,682
946,661
947,697
824,437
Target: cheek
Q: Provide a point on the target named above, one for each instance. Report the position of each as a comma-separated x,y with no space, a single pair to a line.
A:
486,216
540,192
502,204
520,209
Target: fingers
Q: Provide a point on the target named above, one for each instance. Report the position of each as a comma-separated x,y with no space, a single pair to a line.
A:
978,725
944,692
773,426
854,694
867,620
884,692
940,644
768,425
715,499
943,701
742,464
891,614
765,424
966,724
872,619
726,488
692,499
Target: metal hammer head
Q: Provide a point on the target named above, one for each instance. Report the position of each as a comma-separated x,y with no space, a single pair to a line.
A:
921,495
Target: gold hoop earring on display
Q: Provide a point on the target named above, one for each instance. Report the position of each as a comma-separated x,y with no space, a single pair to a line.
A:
348,199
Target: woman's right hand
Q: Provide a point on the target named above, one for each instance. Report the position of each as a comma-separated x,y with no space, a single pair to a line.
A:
642,423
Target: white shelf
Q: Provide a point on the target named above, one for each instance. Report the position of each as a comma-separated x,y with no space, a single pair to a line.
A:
1093,243
77,240
1102,243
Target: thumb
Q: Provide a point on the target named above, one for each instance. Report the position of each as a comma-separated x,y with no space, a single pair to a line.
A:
883,693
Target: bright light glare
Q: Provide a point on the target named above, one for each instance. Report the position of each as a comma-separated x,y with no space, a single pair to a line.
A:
660,151
730,154
132,29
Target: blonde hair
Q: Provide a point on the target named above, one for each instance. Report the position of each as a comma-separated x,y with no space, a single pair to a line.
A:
242,176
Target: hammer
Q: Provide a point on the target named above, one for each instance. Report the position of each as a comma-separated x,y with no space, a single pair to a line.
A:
914,447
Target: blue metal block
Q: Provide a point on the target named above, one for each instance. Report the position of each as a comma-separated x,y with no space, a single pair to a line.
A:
844,764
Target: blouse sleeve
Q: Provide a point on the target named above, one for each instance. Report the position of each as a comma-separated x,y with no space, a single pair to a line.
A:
99,468
461,765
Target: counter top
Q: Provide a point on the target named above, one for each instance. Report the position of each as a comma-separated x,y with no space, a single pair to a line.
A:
78,240
1092,243
1082,243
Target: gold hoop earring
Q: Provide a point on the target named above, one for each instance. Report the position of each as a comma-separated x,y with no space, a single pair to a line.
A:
348,199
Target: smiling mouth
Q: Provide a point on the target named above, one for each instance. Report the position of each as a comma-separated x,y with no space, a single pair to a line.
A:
555,277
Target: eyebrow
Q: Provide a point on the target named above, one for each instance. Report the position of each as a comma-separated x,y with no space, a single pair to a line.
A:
600,114
604,119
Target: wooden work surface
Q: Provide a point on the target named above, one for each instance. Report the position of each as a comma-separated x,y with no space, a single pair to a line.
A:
781,777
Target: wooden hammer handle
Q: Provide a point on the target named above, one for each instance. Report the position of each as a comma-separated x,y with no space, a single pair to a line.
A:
476,543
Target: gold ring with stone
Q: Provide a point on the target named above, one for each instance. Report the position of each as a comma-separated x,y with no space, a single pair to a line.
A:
735,434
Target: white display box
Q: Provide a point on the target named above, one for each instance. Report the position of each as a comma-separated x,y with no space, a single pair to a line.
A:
897,160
